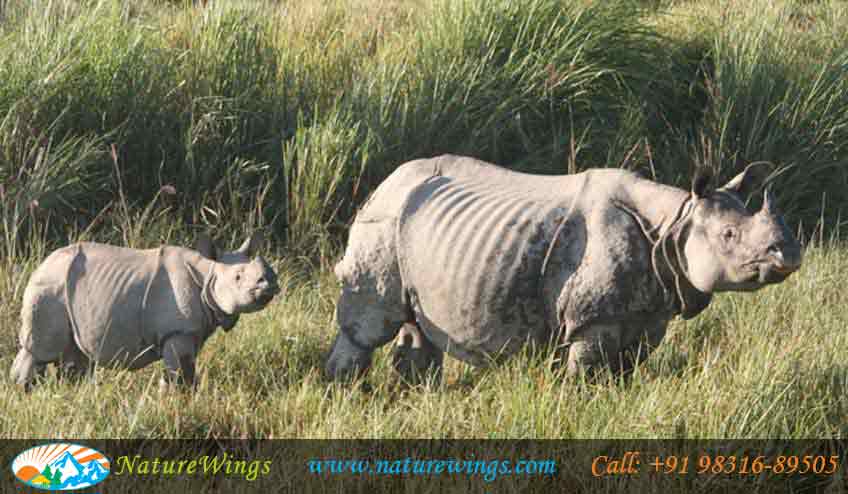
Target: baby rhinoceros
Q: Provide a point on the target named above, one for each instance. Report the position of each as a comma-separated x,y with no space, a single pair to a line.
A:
127,308
454,255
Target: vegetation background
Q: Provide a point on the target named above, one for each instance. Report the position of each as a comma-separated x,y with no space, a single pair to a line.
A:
142,122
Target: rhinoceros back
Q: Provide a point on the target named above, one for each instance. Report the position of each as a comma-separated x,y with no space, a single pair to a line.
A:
472,243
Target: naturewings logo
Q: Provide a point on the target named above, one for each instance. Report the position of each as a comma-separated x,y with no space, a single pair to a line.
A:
60,467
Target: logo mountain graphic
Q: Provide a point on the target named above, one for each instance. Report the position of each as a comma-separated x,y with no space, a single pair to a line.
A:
95,472
61,466
71,474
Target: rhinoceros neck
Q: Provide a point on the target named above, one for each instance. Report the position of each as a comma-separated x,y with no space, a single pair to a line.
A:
662,212
210,300
657,204
205,272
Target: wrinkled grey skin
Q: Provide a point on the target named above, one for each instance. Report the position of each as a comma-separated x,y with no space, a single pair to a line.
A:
127,308
478,261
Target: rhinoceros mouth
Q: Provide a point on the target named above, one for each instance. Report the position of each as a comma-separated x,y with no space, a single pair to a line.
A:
756,264
771,273
264,296
770,264
783,270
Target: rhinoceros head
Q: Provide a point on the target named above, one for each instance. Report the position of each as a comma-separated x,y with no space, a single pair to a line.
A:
243,281
732,248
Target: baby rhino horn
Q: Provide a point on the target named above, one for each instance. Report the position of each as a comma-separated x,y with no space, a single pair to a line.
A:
252,244
768,201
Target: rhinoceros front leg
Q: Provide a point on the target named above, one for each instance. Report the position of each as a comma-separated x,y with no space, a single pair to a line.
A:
368,318
414,356
618,347
640,348
178,354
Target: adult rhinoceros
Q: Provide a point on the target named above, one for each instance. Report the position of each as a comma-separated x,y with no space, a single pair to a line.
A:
127,308
476,260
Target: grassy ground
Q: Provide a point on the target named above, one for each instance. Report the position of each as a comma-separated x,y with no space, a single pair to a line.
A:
142,122
760,365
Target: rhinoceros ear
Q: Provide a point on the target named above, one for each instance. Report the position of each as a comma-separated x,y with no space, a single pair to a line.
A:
206,247
252,244
701,182
745,183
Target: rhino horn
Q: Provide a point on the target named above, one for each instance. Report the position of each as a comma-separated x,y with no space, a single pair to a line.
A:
252,244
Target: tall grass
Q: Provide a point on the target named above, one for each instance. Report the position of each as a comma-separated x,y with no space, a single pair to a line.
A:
43,182
776,90
228,99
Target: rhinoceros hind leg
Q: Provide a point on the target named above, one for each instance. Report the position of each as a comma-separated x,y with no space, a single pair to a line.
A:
368,318
347,360
25,369
415,357
45,328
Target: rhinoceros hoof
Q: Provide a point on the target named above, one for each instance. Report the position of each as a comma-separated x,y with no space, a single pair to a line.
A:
73,372
170,384
347,367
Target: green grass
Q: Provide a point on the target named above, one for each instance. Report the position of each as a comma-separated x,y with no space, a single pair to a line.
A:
236,102
143,122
